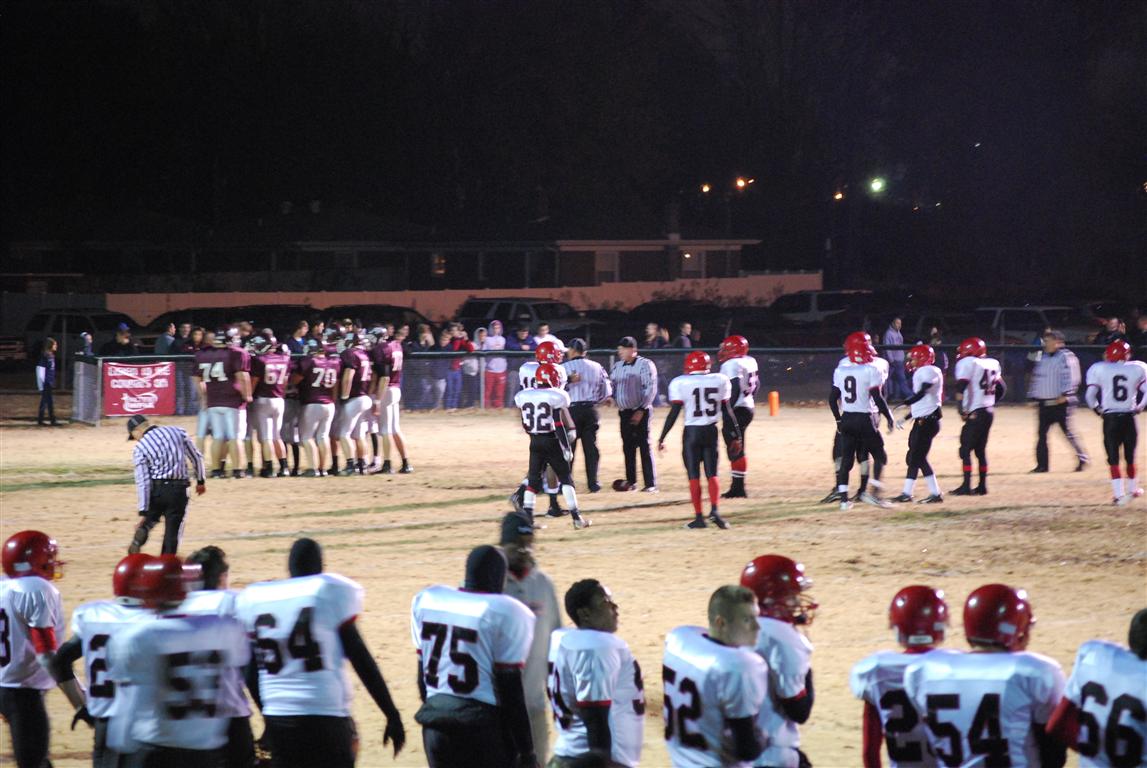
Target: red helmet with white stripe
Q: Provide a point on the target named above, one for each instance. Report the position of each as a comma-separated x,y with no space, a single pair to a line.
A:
547,376
548,352
972,346
778,582
1117,351
919,615
698,362
999,616
32,553
918,357
732,346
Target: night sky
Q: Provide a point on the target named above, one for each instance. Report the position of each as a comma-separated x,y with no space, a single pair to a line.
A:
534,119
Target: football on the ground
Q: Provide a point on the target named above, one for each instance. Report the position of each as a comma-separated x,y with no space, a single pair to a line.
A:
620,485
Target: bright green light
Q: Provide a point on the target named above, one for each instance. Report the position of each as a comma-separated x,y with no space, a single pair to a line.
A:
876,185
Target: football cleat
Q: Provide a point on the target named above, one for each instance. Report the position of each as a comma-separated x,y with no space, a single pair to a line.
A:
580,523
834,496
963,490
556,512
845,505
697,522
933,498
980,490
903,498
405,469
718,521
874,500
650,489
1123,500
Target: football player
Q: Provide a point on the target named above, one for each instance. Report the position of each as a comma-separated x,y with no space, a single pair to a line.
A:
779,584
472,646
93,626
855,391
595,685
705,396
742,372
546,419
1103,715
862,458
270,372
292,412
1117,391
979,383
304,632
354,404
924,405
31,619
388,362
990,706
168,711
316,378
715,686
919,615
546,352
223,376
213,597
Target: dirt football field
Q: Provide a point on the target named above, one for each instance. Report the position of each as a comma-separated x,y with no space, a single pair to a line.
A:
1082,560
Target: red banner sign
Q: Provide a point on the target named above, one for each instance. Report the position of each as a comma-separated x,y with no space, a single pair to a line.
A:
147,389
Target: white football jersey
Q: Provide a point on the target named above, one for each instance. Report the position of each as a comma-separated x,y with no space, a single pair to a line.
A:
701,395
530,367
788,655
705,684
981,373
745,369
540,408
95,624
1116,387
856,382
168,671
927,374
980,707
879,680
589,668
295,626
27,601
221,602
881,365
463,637
1109,685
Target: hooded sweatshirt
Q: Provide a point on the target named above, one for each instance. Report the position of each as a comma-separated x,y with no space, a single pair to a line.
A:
495,341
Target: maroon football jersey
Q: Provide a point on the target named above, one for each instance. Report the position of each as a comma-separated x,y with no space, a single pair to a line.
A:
388,361
357,360
272,369
320,380
218,368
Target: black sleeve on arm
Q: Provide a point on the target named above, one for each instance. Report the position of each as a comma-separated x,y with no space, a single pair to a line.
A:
961,385
881,403
64,657
747,741
512,701
798,709
735,395
421,682
597,727
251,678
732,418
366,668
674,410
1001,388
923,389
1052,754
834,402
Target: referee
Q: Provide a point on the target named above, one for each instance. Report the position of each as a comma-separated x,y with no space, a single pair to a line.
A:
588,386
1054,382
161,480
634,380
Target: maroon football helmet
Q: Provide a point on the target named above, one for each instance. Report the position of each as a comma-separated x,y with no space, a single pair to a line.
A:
126,573
548,352
919,615
919,356
547,376
161,581
973,346
32,553
732,346
779,583
998,615
698,362
1117,351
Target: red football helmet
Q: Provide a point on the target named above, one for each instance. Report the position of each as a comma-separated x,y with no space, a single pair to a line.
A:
126,572
161,581
919,356
32,553
698,362
548,352
919,615
858,347
972,346
733,346
778,583
1117,351
998,615
547,375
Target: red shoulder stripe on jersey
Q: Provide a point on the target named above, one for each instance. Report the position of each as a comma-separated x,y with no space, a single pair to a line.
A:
349,621
677,402
586,704
798,697
502,665
1063,725
43,639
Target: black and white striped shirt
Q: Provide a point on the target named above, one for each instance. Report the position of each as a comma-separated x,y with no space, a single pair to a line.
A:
1055,376
592,385
162,454
634,384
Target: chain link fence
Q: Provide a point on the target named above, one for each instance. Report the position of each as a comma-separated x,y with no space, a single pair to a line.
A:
489,380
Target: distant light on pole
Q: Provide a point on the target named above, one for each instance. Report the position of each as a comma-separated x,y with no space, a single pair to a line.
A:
876,185
706,189
741,183
838,196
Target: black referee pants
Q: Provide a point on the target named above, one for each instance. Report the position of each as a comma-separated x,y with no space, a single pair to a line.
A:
585,422
634,440
168,502
27,718
1049,415
1119,431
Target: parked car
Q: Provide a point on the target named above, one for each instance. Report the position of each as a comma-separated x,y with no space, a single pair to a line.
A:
807,307
1022,325
565,321
711,319
66,324
374,314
